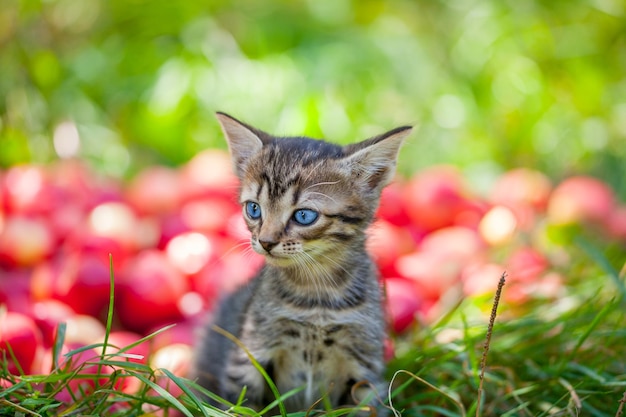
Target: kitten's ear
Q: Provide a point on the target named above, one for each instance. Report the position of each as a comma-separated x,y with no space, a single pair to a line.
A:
373,161
243,140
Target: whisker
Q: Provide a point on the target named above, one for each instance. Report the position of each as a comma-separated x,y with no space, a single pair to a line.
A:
324,278
338,265
322,183
304,264
237,246
324,195
313,170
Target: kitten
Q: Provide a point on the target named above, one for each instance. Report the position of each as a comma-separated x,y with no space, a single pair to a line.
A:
313,316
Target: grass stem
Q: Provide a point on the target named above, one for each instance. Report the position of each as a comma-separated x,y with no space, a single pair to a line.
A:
483,361
620,409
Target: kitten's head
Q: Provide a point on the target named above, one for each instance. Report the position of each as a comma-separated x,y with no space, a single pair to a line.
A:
307,201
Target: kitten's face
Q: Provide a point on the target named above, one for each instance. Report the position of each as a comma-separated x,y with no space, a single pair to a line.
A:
302,211
307,202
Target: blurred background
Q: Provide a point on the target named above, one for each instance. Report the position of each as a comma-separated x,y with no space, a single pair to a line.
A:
490,84
112,164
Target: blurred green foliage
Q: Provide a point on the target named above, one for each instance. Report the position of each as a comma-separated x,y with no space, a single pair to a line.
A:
491,84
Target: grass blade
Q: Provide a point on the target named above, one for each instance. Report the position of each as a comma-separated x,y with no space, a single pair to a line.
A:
163,393
396,413
59,340
592,326
602,261
186,390
111,306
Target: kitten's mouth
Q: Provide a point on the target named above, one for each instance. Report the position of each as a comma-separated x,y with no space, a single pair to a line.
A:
276,259
267,254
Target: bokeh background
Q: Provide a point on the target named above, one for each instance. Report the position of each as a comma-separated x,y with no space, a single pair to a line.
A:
490,84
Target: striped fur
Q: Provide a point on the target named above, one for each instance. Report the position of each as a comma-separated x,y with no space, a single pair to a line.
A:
312,317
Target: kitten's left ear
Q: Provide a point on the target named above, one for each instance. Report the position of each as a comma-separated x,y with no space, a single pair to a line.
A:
243,140
373,161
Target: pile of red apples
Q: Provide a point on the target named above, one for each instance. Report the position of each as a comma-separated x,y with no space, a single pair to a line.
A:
177,242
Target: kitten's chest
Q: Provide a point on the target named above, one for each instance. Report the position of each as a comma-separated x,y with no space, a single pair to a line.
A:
316,356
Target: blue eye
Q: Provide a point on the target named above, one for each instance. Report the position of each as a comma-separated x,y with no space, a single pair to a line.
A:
305,217
253,210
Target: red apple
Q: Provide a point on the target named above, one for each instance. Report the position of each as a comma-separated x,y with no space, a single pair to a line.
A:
176,358
83,362
192,304
209,173
211,282
2,198
47,365
433,273
25,241
237,228
481,278
84,241
550,285
392,208
190,252
88,292
15,292
386,242
116,221
65,219
48,314
498,225
184,332
435,198
83,330
403,303
156,190
26,189
522,187
207,215
526,265
456,243
20,339
137,354
82,281
148,232
616,223
171,225
471,213
581,199
149,290
82,186
120,339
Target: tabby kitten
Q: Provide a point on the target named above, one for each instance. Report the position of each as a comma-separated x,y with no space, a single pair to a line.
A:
312,317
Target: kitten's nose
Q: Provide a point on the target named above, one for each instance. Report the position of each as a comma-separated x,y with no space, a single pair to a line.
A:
268,245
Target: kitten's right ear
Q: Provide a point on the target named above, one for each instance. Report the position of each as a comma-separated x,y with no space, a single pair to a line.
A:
243,140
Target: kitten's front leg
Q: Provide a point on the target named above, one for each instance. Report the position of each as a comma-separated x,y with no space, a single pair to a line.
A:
240,372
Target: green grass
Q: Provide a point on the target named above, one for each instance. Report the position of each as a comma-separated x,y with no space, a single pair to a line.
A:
569,365
561,357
